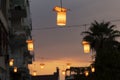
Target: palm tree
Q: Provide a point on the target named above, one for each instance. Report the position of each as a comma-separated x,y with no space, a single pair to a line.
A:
99,33
102,38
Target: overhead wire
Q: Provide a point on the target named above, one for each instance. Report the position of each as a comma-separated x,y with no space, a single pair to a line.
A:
82,25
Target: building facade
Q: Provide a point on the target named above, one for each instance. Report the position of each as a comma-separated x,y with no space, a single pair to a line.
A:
79,73
15,29
54,76
20,32
4,40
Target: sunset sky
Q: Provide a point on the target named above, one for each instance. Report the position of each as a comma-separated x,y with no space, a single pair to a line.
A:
57,46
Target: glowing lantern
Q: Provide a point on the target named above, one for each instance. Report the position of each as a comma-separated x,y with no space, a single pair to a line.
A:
61,15
42,65
34,73
68,65
86,46
92,69
63,72
11,62
15,69
86,73
61,18
30,45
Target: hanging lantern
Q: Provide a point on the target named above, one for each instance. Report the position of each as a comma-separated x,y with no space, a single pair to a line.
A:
86,46
63,72
15,69
61,15
86,73
61,18
11,62
30,45
68,65
93,69
34,73
42,65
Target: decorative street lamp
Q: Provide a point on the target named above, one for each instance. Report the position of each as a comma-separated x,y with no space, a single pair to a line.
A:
86,46
30,45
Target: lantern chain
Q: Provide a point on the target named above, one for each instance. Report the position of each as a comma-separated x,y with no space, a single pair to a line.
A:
61,4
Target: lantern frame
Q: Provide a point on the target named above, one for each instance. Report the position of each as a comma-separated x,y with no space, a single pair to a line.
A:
61,15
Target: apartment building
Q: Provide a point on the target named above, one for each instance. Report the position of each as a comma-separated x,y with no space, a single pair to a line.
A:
15,29
20,31
4,38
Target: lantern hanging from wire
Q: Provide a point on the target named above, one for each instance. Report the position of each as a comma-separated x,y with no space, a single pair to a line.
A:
34,73
15,69
63,72
42,65
61,15
86,46
92,69
11,62
86,73
68,65
30,45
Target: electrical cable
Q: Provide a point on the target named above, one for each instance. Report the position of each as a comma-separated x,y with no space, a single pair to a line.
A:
82,25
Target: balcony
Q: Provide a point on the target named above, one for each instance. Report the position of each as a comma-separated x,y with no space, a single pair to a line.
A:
18,41
18,13
18,9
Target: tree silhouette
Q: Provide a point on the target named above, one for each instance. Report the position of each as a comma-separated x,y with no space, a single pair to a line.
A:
102,38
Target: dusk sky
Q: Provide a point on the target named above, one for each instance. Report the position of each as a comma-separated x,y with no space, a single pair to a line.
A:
58,46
